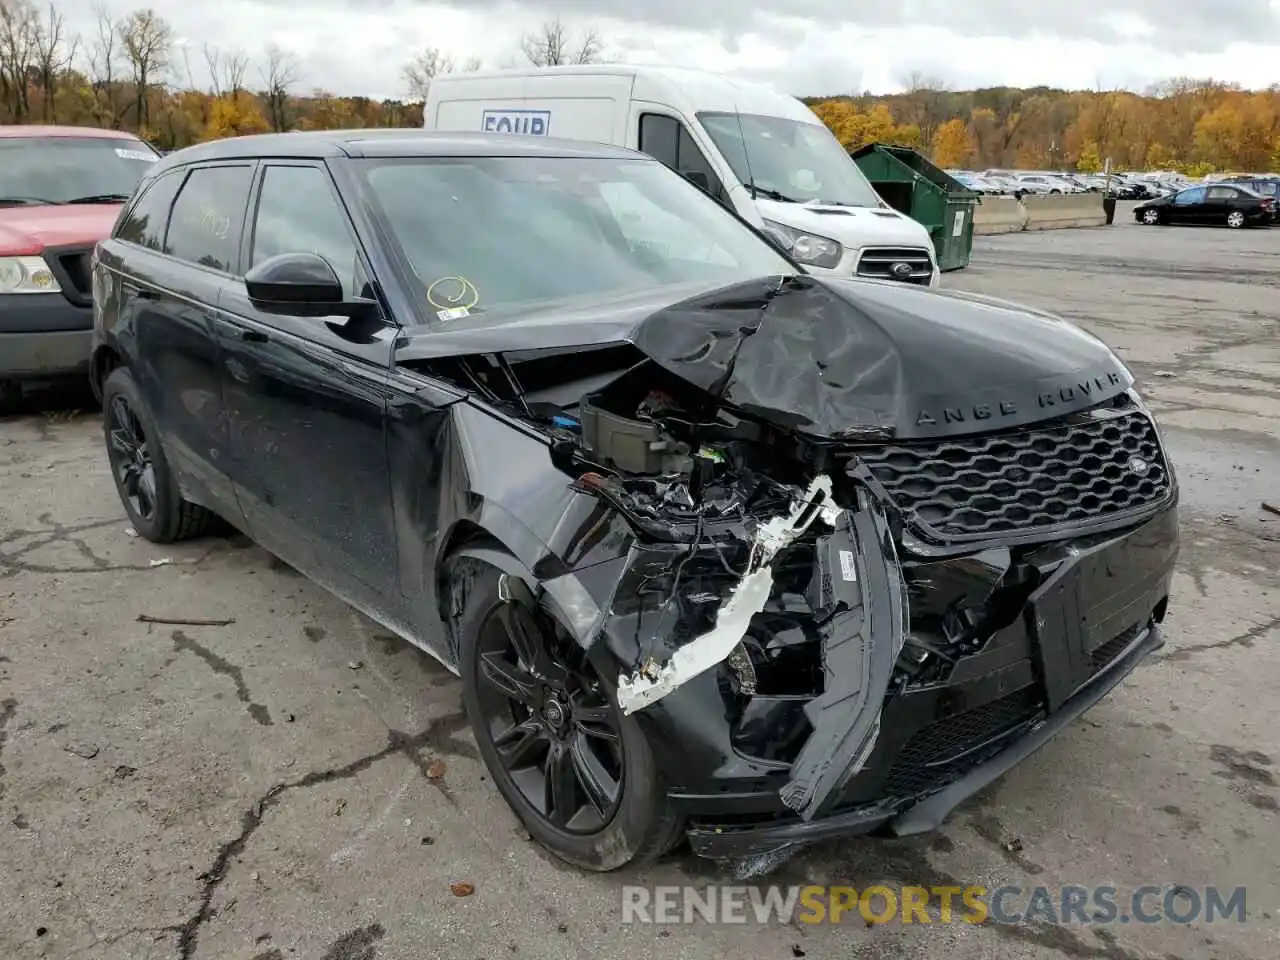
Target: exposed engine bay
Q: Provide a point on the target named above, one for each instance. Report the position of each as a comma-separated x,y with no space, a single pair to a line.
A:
826,537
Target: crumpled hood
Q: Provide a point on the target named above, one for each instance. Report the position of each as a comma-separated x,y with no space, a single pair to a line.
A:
833,358
29,230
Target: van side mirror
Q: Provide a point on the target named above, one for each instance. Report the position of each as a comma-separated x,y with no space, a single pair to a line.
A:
302,285
698,179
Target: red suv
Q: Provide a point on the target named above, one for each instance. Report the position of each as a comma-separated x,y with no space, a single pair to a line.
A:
60,193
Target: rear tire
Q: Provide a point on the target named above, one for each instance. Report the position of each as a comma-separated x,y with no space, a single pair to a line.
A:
146,484
638,823
1235,219
10,397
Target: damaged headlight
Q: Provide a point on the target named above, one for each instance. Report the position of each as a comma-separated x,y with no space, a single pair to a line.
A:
805,247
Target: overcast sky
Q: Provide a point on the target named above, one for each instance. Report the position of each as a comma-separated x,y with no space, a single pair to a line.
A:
803,47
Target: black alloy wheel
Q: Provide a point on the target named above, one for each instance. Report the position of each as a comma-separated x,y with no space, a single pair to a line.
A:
131,460
147,486
555,731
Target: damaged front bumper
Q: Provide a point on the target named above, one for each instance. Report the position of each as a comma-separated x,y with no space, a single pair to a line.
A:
760,755
734,841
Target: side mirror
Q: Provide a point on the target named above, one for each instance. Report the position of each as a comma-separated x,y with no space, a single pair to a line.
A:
698,179
301,285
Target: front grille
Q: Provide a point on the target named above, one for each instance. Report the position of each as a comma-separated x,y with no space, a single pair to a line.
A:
70,267
878,263
1081,469
944,750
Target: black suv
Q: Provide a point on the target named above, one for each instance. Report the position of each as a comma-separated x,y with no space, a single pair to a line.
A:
719,549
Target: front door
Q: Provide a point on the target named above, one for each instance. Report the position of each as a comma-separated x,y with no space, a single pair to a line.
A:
1188,206
306,399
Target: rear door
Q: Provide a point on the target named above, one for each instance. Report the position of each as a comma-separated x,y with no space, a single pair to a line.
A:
1219,201
306,398
171,255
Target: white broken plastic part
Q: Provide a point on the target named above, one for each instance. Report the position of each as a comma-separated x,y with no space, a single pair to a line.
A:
748,597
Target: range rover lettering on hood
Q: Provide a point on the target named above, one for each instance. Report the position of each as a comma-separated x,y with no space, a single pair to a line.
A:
831,359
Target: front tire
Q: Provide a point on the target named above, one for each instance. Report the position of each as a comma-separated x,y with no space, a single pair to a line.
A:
147,487
579,775
1151,217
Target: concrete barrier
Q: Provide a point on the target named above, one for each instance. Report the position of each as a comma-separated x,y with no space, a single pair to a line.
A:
999,215
1065,210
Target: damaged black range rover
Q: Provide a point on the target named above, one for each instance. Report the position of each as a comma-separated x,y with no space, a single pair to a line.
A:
719,550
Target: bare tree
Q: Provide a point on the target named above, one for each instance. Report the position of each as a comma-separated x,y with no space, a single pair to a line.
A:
553,46
147,40
226,70
422,69
19,45
280,74
103,63
53,55
429,64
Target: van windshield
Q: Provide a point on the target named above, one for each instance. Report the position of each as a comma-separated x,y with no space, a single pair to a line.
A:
480,234
789,160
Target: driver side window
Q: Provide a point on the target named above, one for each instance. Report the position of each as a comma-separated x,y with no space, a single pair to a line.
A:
299,213
1188,197
666,140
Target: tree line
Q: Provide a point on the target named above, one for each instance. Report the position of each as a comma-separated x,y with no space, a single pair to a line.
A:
1194,126
133,73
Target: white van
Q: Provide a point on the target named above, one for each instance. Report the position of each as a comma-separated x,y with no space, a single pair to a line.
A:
762,153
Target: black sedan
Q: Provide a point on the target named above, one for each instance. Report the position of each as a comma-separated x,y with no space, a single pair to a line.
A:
720,550
1212,204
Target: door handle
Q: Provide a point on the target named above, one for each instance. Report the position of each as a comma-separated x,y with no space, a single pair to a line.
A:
254,336
142,293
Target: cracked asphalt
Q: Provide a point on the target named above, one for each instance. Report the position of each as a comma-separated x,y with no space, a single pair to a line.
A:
282,779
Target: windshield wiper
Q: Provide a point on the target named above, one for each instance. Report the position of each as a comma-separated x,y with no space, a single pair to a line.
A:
101,198
757,191
27,200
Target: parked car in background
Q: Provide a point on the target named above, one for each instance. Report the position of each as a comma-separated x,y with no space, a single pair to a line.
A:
1264,187
981,184
60,192
1217,204
720,548
1052,183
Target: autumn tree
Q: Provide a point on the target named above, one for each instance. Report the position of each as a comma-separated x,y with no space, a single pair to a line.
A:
924,103
148,44
234,115
553,45
1090,159
953,145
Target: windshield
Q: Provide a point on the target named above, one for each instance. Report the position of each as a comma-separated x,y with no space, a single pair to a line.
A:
57,169
797,161
479,233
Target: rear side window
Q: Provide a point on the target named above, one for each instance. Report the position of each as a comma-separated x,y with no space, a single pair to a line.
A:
147,219
208,217
667,141
1222,193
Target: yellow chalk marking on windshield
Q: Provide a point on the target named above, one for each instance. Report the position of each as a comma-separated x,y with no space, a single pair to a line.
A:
466,297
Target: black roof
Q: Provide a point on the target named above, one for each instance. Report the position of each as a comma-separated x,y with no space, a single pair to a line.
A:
318,144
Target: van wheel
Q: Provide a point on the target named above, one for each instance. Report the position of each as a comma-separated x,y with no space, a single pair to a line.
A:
577,773
147,487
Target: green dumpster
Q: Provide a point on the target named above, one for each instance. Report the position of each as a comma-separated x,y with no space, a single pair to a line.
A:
910,183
